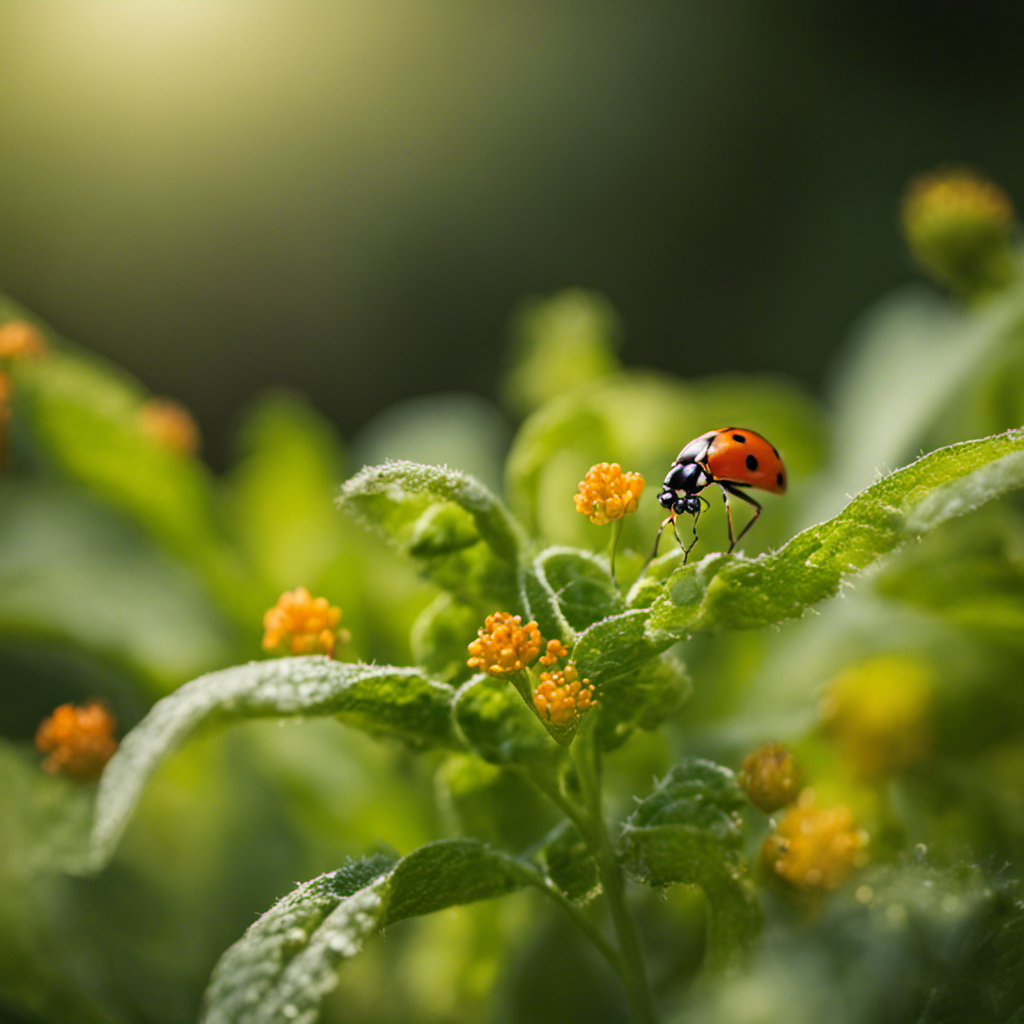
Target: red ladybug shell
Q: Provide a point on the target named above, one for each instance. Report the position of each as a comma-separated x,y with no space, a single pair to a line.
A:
736,455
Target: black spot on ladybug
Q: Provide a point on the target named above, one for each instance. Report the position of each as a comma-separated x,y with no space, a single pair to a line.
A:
751,463
740,438
780,479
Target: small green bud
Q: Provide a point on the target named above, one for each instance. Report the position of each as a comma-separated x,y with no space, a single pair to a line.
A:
957,226
770,777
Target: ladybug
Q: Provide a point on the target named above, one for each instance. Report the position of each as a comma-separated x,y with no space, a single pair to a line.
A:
732,457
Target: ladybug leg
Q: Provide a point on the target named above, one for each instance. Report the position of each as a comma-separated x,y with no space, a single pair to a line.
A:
726,491
687,550
657,538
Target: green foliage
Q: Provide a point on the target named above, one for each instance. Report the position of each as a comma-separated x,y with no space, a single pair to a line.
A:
456,531
126,570
689,830
288,960
391,701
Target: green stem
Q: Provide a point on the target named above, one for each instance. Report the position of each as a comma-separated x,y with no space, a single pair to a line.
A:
627,958
616,533
638,992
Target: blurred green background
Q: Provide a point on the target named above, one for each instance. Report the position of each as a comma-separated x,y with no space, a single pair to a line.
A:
352,197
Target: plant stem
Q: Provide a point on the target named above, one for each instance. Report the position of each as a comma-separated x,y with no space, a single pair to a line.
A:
616,533
588,767
627,957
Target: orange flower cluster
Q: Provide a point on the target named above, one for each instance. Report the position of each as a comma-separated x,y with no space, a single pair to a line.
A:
814,848
78,741
770,777
504,645
554,650
170,425
303,624
562,698
19,339
607,494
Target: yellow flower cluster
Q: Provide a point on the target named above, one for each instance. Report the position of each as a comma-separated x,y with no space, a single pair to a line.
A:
170,425
878,713
504,645
606,493
19,339
562,698
770,777
957,225
554,650
78,741
303,624
813,848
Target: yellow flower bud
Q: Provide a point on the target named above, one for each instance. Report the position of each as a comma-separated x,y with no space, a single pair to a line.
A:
770,777
303,624
504,645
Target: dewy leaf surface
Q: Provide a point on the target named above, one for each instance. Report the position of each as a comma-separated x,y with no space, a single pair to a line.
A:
395,701
733,593
285,964
689,831
459,534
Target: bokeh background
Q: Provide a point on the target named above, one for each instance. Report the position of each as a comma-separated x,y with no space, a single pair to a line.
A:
351,198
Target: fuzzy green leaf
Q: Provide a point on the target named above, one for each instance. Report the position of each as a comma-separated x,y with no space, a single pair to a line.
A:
498,726
725,592
288,960
458,533
569,864
689,831
392,701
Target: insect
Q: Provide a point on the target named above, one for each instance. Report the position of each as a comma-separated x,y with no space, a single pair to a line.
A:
733,458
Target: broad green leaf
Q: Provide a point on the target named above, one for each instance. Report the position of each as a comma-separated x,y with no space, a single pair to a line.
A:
689,831
580,585
494,804
617,645
285,964
458,533
634,686
398,702
497,725
569,864
84,416
726,592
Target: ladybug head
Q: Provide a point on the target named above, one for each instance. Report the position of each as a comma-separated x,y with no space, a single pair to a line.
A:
667,498
687,503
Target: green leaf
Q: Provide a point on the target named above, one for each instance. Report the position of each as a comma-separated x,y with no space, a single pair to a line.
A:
729,592
285,964
496,805
390,701
615,646
83,415
498,726
689,830
458,533
569,864
580,585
